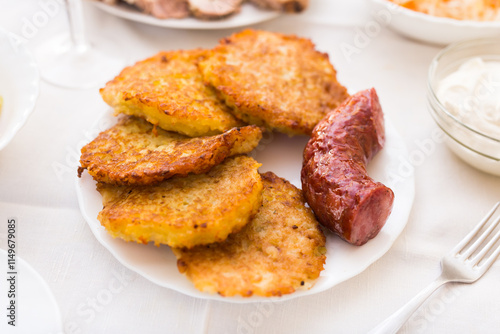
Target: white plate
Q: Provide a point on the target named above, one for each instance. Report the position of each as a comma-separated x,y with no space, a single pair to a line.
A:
283,156
36,307
428,28
18,86
248,15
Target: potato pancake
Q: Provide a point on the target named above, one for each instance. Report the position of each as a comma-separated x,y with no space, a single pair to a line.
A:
275,80
168,90
187,211
132,152
281,250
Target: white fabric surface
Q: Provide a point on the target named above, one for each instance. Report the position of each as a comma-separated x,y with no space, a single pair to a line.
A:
37,186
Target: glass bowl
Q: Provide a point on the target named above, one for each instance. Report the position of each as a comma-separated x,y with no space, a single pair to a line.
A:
472,144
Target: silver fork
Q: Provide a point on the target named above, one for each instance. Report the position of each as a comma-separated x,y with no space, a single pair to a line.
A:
458,266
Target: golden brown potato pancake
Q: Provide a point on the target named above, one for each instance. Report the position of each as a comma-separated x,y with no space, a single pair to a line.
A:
187,211
281,250
132,152
168,90
275,80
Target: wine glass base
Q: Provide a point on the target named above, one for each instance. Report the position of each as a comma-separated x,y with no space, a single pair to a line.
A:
67,66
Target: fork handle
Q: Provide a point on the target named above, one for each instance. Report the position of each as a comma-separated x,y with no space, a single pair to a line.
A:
392,324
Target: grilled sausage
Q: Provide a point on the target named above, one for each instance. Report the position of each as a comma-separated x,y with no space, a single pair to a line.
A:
334,177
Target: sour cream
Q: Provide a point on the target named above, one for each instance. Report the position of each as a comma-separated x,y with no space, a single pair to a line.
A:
472,95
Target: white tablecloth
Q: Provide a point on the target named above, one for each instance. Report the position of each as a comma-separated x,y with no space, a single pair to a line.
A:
37,186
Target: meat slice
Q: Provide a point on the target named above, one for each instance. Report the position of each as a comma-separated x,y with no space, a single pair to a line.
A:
289,6
162,9
214,9
334,177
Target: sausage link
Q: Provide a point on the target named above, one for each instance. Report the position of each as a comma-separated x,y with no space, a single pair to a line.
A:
334,177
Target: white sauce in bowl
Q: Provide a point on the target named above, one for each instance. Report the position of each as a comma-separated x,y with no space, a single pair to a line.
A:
472,95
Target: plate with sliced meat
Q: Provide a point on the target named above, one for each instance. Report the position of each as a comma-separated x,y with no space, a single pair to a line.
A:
205,11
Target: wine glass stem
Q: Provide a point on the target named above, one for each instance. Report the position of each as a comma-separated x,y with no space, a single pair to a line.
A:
76,24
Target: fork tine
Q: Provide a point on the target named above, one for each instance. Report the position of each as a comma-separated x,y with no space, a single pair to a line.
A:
480,240
479,257
459,248
491,259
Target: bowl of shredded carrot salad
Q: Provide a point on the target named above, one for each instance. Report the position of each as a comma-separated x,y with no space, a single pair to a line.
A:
474,10
439,21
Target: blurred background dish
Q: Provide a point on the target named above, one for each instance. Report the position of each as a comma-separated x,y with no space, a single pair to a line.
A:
428,28
463,94
19,82
248,15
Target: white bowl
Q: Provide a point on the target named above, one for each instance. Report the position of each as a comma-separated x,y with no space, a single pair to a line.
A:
19,82
428,28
